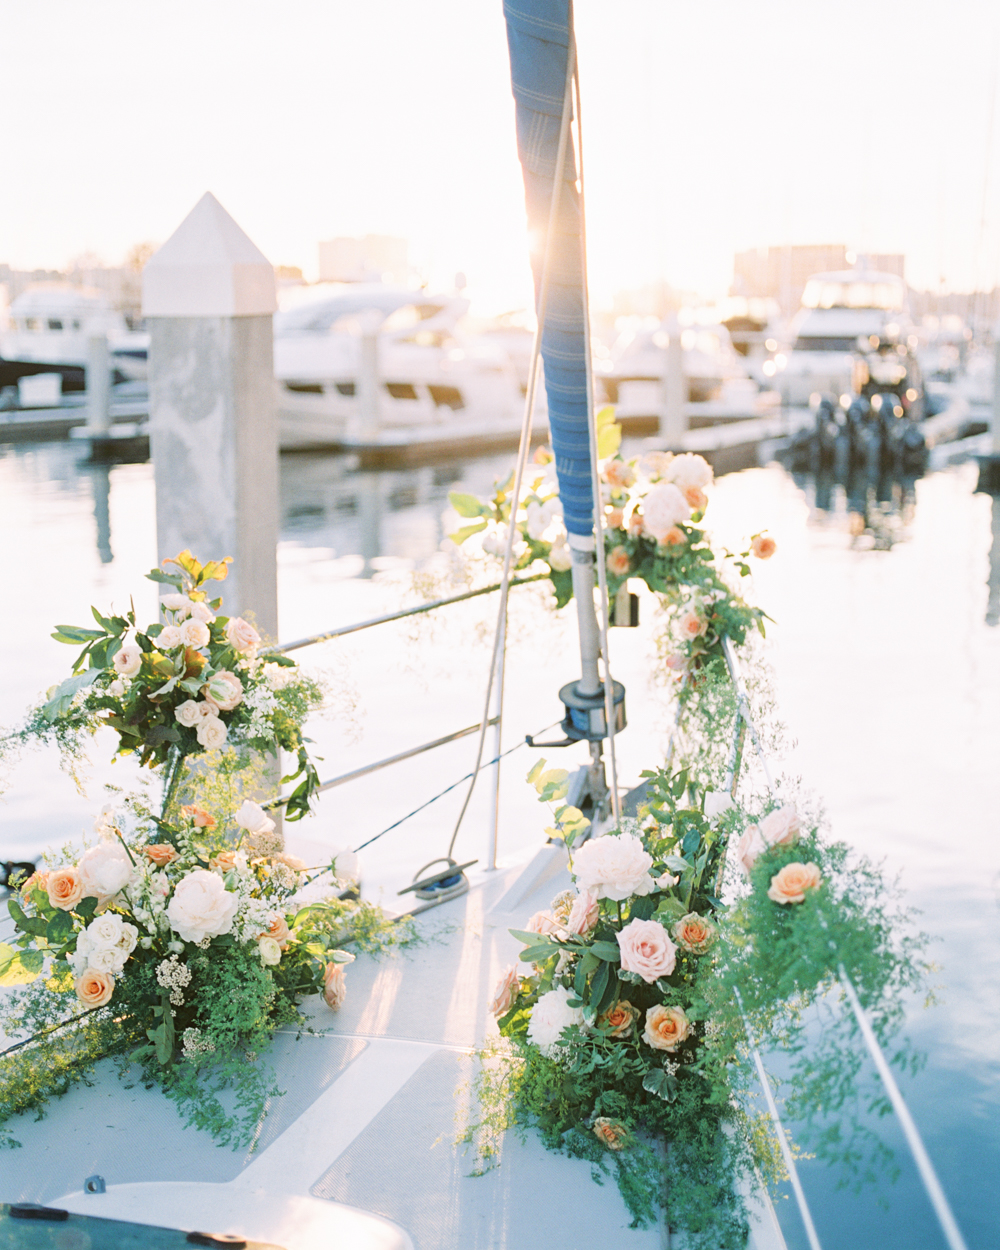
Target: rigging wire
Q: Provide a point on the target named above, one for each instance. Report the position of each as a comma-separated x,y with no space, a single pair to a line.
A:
500,636
595,477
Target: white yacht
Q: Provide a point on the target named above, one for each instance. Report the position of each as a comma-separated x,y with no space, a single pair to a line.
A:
50,324
405,345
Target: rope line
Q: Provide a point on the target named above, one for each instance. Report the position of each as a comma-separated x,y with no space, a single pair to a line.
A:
395,825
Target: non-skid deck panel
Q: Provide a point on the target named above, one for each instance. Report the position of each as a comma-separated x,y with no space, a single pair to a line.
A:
406,1167
128,1135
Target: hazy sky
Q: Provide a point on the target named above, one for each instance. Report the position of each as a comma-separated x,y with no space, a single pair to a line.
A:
708,127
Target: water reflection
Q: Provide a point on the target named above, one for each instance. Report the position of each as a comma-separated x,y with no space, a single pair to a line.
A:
877,510
993,602
100,485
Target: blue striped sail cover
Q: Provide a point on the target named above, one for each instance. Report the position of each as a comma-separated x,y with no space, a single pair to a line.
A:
538,37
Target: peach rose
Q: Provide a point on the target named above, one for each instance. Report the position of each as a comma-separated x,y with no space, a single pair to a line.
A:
278,929
666,1028
198,816
224,861
751,845
334,986
161,853
692,623
505,994
673,538
790,884
128,660
781,827
646,948
290,861
612,1134
614,518
241,635
635,523
194,633
95,987
694,933
619,1018
618,473
584,914
618,562
697,499
65,888
763,547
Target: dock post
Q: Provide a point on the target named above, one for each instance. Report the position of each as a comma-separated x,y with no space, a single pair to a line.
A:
367,386
208,296
98,378
674,424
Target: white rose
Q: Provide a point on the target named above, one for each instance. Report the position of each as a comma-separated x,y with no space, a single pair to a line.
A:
615,867
540,516
662,509
560,557
104,871
200,611
104,959
201,906
717,802
194,634
187,713
117,689
105,931
212,733
689,470
168,638
346,865
270,951
278,676
495,541
177,603
253,818
549,1016
128,660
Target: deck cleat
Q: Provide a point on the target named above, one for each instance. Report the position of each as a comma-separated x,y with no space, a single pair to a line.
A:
438,887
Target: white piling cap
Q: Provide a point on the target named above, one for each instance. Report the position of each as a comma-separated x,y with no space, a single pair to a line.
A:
208,268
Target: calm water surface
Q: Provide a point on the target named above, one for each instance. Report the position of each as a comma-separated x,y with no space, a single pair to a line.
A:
887,671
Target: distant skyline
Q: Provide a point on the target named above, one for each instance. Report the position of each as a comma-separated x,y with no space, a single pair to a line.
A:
708,129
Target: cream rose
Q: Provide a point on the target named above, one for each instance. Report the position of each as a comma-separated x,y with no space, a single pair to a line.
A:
584,914
750,847
781,827
128,660
187,713
269,950
662,509
168,638
612,1134
211,733
253,818
200,611
549,1017
241,635
791,883
666,1028
201,907
117,689
105,870
614,867
689,470
560,558
95,987
694,933
619,1018
194,633
505,994
646,948
180,604
64,888
334,986
224,689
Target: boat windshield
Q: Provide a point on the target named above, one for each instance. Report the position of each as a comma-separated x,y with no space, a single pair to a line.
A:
823,293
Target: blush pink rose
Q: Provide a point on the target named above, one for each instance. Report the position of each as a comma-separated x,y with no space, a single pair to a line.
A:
662,509
750,847
584,914
241,635
225,689
542,922
646,948
781,827
194,633
692,623
334,986
168,638
505,994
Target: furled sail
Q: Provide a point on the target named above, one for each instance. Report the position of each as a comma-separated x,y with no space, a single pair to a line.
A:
539,36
